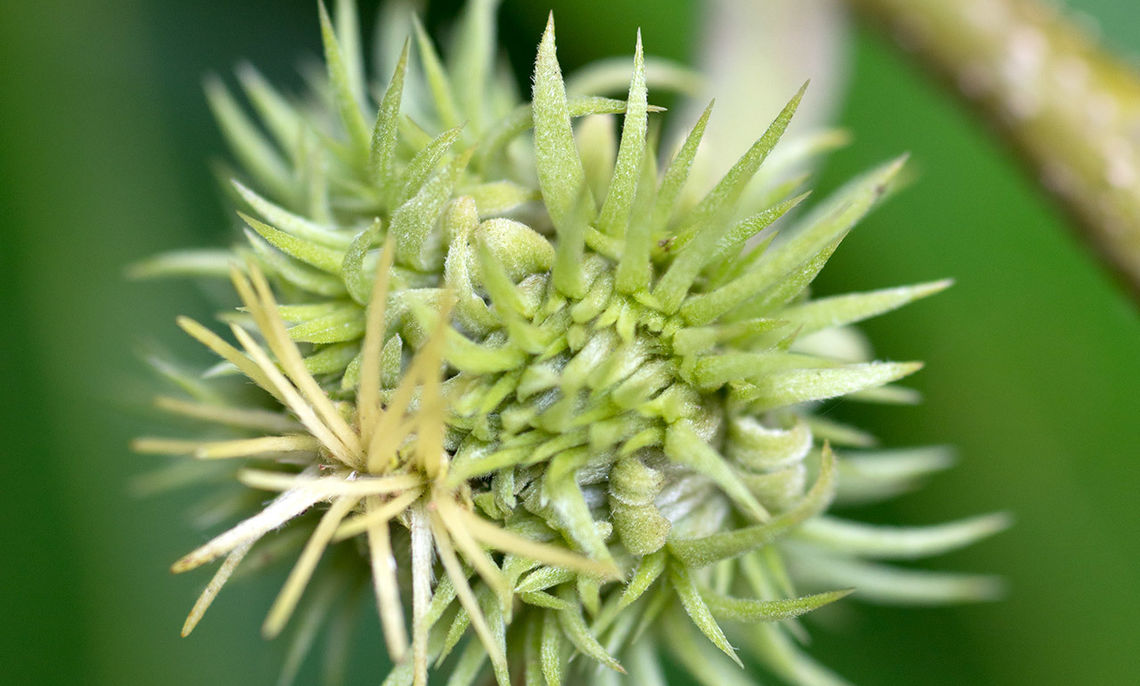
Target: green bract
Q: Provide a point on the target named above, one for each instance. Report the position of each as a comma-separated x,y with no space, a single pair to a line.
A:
528,383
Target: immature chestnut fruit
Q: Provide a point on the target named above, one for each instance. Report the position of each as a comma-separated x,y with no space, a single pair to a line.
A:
565,402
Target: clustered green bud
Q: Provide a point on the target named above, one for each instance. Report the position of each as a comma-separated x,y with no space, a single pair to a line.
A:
527,383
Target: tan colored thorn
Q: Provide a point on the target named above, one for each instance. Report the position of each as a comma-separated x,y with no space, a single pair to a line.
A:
463,590
329,486
229,353
422,548
283,508
264,308
290,594
377,514
245,418
368,397
214,587
555,556
293,400
431,420
384,579
448,517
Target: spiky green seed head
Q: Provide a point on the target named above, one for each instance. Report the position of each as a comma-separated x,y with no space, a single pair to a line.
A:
534,385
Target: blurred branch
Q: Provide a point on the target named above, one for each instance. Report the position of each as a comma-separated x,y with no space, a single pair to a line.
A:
1068,107
754,56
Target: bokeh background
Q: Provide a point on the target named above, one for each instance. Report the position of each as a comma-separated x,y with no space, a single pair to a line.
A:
105,143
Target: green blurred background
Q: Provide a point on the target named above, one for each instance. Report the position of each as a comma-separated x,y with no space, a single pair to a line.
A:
105,139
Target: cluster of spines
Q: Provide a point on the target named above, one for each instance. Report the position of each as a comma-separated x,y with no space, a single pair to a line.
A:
625,364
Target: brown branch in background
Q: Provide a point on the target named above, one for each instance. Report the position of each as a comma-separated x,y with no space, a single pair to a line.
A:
1068,107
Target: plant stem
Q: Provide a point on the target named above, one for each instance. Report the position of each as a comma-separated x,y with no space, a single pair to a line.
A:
1070,109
